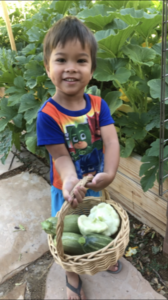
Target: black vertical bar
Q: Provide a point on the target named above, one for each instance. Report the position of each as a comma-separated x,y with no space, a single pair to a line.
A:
162,102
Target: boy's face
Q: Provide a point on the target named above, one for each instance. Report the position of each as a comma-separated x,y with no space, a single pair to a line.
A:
69,68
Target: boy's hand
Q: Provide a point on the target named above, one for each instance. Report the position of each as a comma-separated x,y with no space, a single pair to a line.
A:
79,191
100,181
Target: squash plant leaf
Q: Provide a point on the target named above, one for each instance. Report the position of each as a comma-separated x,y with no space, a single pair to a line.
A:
27,102
148,180
31,114
102,34
147,21
29,49
61,6
51,88
105,71
155,89
5,144
6,113
31,143
134,125
117,4
113,43
34,69
140,55
35,34
98,15
113,101
127,150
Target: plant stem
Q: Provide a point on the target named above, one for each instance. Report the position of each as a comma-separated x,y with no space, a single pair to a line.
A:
152,135
132,102
101,87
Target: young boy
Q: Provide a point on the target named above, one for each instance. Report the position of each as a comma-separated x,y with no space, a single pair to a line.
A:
76,128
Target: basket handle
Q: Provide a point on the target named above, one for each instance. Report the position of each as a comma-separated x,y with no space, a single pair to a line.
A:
65,208
62,214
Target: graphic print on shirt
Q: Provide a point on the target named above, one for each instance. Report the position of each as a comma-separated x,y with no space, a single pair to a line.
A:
85,146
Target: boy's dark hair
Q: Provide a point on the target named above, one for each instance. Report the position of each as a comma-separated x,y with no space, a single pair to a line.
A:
68,29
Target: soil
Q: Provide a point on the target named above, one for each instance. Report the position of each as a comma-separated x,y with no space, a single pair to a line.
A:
148,259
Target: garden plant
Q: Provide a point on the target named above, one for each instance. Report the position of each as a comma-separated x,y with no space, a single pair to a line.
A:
128,74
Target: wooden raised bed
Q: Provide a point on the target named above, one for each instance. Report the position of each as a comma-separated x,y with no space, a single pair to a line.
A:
149,207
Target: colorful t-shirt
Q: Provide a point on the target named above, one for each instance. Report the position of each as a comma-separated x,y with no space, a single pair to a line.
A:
79,130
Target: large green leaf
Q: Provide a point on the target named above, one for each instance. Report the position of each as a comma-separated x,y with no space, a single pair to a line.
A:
31,114
113,43
134,125
6,113
29,49
7,78
31,143
148,180
27,102
17,91
5,144
140,55
155,89
117,4
34,69
35,34
113,101
98,15
127,150
60,6
106,71
147,21
102,34
50,86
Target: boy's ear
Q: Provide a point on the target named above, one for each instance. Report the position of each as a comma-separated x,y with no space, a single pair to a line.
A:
91,75
47,70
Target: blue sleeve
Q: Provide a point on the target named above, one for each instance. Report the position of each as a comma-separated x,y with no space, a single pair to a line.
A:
48,131
105,115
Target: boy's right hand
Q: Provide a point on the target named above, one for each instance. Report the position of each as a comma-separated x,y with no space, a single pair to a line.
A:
79,191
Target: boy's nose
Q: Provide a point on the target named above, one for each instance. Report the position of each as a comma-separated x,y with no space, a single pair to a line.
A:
71,68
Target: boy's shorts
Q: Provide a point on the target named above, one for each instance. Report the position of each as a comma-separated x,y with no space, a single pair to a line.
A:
57,199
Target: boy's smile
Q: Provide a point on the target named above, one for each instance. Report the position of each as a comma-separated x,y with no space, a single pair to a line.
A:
70,70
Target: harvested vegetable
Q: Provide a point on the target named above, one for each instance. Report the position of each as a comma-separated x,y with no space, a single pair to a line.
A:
70,224
106,213
88,226
70,243
94,242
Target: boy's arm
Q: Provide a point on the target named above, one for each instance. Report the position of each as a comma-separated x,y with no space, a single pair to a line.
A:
67,172
111,159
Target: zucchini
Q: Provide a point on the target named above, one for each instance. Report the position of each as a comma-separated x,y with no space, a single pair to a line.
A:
70,243
94,242
70,224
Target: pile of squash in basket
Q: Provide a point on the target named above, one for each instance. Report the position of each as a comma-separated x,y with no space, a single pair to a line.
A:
83,234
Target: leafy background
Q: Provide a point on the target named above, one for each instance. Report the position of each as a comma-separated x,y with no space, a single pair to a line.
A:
128,74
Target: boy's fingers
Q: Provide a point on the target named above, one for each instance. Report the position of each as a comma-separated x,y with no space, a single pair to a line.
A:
67,196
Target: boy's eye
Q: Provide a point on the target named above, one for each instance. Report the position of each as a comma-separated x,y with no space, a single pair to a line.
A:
82,61
61,60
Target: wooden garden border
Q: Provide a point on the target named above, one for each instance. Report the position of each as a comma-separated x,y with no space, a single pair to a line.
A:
148,207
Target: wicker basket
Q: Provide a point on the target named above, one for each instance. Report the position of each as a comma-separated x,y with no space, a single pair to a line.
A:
94,262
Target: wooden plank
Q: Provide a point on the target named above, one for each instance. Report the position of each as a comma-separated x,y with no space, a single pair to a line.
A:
8,25
148,201
138,212
130,167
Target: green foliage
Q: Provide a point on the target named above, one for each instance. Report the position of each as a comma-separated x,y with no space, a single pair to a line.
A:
127,74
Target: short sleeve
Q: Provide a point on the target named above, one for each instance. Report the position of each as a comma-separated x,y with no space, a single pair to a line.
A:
48,131
105,115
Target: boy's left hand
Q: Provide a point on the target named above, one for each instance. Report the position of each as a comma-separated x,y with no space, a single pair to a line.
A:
100,181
